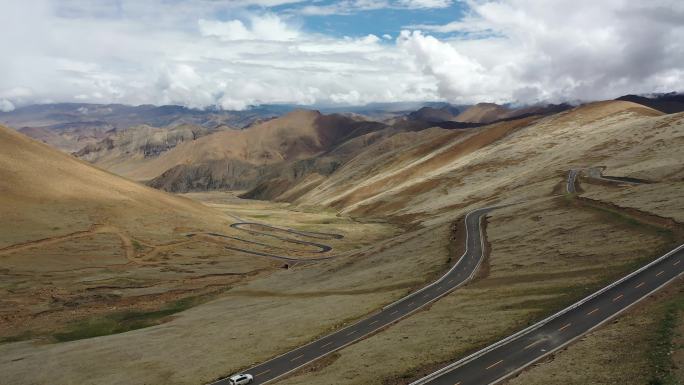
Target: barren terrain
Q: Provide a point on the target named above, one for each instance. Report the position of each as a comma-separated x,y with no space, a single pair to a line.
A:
126,251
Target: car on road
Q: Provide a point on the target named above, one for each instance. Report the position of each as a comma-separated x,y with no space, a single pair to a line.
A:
240,379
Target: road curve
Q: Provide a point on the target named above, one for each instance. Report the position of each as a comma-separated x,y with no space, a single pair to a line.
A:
462,271
245,226
597,173
516,352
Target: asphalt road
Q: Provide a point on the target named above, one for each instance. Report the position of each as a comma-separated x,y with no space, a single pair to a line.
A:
251,228
462,271
514,353
497,362
571,182
597,173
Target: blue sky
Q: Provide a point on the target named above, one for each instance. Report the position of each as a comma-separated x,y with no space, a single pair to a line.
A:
373,21
236,53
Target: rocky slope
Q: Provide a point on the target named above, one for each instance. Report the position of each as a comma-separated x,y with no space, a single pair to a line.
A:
241,159
126,149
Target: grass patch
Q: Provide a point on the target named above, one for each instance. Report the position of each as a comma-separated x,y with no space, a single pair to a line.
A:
620,217
136,245
27,335
261,216
121,322
630,221
660,355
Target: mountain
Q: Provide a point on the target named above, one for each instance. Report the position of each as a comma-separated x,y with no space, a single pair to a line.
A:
71,126
434,114
46,193
491,112
126,149
70,137
418,175
669,103
237,159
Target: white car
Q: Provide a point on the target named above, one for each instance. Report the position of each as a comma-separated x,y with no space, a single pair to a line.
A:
240,379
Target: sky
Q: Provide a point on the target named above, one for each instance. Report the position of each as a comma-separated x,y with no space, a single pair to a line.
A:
233,54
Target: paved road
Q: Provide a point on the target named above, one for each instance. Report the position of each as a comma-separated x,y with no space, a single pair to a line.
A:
597,173
570,185
459,274
514,353
509,356
268,231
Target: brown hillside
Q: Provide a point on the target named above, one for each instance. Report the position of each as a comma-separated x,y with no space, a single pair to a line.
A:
297,135
426,178
45,193
482,113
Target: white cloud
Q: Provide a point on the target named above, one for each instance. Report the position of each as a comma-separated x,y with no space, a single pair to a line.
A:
561,50
204,53
264,27
459,78
415,4
6,105
346,7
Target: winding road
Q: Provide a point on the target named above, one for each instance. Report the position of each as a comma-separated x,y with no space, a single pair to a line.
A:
503,358
516,352
462,271
249,227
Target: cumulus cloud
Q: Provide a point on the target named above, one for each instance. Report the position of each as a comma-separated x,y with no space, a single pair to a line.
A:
459,77
561,50
263,27
206,53
6,105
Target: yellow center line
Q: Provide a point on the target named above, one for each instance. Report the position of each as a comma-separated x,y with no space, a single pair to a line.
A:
329,343
298,357
676,263
661,272
264,372
593,311
534,343
493,365
564,327
618,297
640,285
374,322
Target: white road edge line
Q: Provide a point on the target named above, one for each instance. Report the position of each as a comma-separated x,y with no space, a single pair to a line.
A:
398,319
546,320
588,331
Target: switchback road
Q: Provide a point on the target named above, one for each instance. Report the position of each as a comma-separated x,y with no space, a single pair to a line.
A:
264,230
462,271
